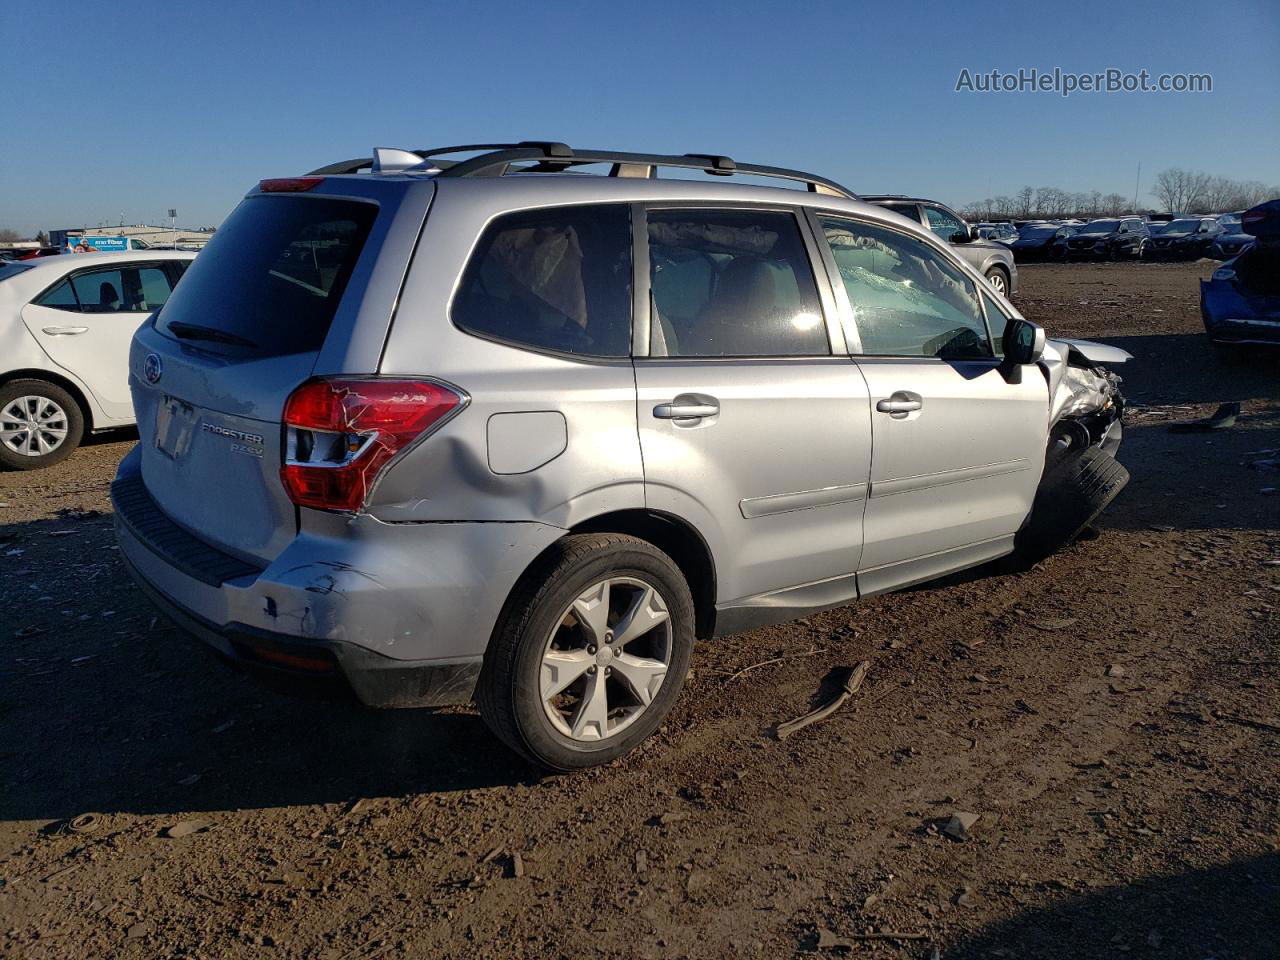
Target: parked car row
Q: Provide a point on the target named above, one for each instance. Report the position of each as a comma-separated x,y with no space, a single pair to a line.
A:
1118,238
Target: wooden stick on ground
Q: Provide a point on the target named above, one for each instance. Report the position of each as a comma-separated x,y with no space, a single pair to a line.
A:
765,663
850,687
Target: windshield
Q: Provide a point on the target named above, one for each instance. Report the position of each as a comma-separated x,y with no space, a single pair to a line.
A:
1101,226
1182,226
1038,233
270,280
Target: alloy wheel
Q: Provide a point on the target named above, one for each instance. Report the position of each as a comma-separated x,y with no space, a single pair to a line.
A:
33,426
606,658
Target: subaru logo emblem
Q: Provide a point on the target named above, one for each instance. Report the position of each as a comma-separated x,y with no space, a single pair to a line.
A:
151,368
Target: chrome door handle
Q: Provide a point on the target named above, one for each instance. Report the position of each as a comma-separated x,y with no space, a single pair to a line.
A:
898,406
686,407
64,331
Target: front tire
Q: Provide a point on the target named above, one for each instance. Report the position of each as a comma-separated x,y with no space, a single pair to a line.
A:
1074,490
40,424
589,653
998,279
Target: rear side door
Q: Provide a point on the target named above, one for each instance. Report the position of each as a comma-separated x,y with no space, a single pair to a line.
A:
753,423
86,322
959,443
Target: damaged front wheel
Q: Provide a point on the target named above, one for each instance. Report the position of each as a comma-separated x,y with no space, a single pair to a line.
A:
1076,487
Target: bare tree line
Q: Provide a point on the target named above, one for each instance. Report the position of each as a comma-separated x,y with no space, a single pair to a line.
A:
1189,191
1177,190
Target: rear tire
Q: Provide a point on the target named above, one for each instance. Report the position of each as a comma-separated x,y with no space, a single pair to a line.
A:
1074,490
40,424
549,630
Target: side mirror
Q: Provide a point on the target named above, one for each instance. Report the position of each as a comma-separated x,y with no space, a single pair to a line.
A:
961,236
1023,342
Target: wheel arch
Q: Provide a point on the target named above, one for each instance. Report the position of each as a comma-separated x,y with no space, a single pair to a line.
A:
677,539
78,393
995,263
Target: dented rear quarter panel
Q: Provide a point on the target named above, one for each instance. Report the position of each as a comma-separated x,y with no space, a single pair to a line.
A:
590,465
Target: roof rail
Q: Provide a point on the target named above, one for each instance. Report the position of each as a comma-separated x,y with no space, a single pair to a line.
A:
548,148
544,156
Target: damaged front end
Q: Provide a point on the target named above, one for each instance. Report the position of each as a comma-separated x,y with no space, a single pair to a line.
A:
1087,406
1081,474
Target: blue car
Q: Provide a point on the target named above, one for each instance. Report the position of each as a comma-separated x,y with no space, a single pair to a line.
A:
1240,303
1229,245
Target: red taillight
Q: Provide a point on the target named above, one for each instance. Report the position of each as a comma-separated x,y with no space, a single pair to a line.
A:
340,433
290,184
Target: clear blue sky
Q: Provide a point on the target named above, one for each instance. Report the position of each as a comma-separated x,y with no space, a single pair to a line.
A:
126,109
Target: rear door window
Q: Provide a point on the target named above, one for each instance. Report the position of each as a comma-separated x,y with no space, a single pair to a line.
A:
100,291
557,280
61,297
124,290
732,283
270,281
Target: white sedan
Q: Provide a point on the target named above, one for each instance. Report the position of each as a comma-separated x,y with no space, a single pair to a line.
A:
65,327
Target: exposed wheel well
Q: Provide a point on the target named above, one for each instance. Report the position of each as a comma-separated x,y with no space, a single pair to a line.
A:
49,377
677,540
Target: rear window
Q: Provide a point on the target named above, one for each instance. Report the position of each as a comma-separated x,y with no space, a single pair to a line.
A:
270,281
13,269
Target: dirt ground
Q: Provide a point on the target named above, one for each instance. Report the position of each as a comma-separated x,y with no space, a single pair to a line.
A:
1110,715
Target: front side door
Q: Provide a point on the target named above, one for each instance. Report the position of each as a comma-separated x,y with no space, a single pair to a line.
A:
946,225
86,322
959,443
752,425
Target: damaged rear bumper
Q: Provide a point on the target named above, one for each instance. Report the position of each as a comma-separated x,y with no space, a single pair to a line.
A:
398,616
324,668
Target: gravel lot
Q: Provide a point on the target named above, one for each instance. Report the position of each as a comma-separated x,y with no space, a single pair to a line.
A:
1110,715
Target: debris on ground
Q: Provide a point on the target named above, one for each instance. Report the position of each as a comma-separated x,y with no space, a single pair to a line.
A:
84,823
960,825
847,689
186,828
1220,419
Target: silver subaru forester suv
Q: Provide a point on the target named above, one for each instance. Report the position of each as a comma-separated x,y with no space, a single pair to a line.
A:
476,423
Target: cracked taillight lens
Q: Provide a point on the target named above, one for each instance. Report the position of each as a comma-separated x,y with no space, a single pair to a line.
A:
340,433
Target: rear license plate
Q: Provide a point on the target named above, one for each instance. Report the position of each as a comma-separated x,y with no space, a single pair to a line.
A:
175,426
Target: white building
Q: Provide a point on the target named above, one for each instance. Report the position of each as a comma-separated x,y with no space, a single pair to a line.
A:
151,236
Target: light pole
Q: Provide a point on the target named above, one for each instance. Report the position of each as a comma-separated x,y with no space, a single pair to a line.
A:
173,226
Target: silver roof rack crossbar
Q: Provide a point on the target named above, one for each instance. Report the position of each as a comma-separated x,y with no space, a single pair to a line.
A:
545,156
